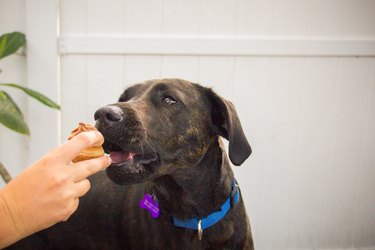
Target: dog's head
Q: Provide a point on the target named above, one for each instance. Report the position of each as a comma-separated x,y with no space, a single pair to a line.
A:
161,125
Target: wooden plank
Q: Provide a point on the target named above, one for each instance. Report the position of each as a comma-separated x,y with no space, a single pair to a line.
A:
74,93
216,46
181,67
42,65
283,80
143,17
364,218
105,82
218,17
349,104
181,17
105,17
254,17
218,73
358,19
140,68
73,17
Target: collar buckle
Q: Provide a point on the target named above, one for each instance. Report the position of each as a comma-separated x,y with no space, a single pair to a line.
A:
200,230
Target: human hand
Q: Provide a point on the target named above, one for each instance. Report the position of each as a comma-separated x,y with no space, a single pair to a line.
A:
48,191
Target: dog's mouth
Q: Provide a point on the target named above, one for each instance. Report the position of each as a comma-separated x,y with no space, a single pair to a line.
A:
121,157
129,166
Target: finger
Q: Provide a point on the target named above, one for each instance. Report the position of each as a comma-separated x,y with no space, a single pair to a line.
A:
82,187
73,207
70,149
82,170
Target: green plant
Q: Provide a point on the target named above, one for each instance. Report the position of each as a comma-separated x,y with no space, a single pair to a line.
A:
10,115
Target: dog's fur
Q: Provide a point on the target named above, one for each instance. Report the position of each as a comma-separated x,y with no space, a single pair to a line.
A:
174,126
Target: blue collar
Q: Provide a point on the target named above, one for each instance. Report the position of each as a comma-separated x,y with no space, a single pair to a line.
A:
201,224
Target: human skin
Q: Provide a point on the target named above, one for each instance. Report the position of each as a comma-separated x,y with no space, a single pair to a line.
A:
48,191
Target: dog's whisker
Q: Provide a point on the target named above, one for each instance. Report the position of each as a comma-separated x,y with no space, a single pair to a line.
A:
151,147
142,149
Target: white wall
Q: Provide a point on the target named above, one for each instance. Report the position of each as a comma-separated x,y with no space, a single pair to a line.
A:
307,105
308,114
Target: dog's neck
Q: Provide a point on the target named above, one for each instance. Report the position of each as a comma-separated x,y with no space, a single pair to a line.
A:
199,190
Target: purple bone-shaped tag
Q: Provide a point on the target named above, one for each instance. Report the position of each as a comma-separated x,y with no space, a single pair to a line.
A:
148,203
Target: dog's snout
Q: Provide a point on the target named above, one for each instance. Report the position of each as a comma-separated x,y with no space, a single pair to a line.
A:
109,114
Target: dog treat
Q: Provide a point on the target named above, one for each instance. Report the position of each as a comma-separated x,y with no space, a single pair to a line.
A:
88,153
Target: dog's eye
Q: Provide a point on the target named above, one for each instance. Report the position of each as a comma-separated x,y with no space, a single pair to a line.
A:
169,100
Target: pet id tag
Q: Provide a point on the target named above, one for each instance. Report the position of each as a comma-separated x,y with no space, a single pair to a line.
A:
150,205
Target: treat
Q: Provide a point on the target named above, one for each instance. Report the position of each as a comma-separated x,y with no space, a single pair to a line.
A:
88,153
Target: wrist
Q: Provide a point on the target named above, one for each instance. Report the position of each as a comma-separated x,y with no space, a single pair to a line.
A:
9,226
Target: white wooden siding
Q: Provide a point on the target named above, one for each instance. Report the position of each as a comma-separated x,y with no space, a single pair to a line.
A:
301,74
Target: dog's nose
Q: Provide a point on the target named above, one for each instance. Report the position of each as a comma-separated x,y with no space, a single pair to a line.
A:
109,114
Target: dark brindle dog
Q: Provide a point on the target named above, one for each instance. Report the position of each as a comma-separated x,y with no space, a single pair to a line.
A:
164,140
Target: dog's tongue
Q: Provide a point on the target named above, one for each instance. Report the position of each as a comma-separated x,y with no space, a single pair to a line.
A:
122,156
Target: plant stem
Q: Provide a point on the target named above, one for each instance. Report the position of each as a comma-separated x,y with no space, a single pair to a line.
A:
4,173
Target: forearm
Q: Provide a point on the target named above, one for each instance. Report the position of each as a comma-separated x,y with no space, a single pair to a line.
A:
8,226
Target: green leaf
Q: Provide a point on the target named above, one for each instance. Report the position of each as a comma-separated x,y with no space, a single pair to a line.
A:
38,96
11,116
10,43
3,42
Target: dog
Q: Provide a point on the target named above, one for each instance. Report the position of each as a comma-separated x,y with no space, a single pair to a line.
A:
170,184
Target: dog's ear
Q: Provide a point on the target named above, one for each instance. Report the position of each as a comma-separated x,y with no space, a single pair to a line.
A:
227,124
